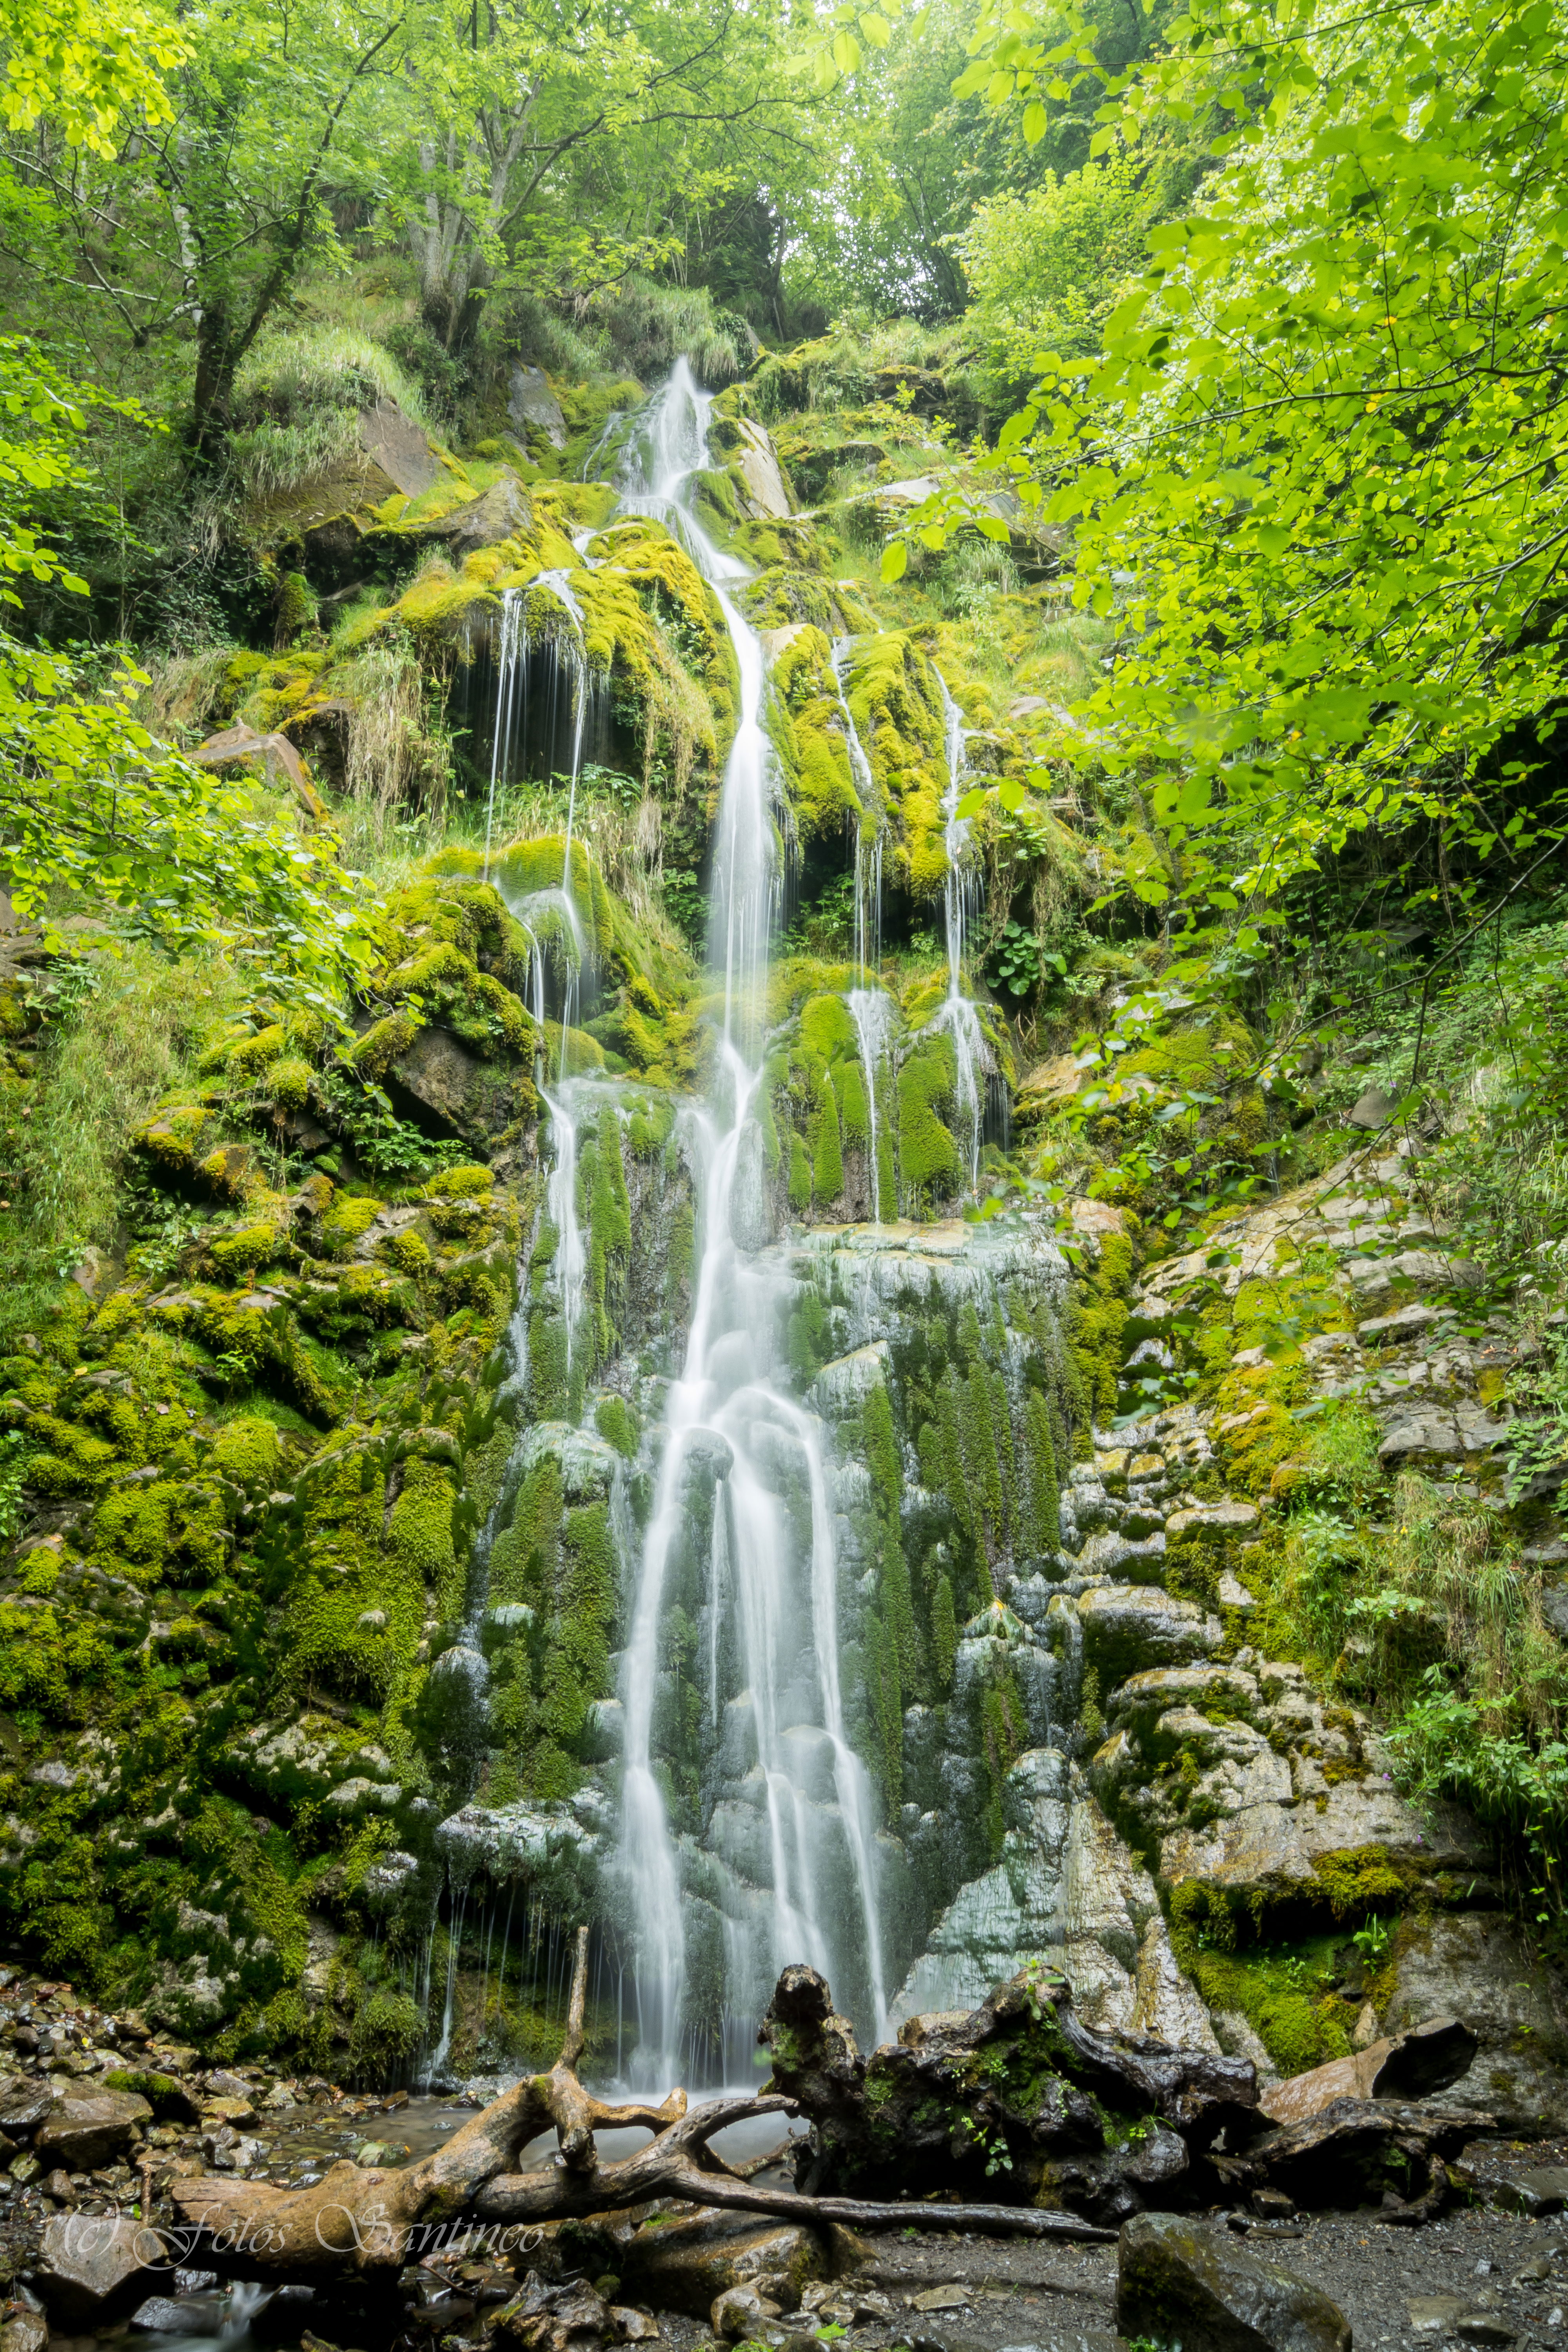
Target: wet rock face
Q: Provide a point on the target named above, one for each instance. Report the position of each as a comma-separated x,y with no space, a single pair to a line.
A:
1180,2282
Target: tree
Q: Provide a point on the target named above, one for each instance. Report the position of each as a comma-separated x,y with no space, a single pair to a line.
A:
564,148
193,225
1317,465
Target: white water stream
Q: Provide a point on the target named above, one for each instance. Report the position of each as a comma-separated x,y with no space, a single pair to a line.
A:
772,1567
958,1013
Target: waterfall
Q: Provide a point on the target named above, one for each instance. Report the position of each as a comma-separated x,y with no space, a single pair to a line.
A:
510,675
869,1005
514,645
724,1404
958,1013
868,849
570,1270
872,1014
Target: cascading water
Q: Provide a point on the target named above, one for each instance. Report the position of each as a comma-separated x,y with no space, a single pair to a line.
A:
871,1011
570,1264
513,644
958,1013
869,1005
796,1877
868,844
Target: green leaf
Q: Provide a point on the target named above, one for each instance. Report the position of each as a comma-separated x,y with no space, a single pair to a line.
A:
895,560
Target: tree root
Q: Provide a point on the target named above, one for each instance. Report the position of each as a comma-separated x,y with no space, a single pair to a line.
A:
370,2220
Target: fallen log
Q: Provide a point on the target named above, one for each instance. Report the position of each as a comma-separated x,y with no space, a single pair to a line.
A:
368,2220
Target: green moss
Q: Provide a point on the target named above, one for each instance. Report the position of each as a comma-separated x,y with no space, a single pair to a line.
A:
615,1419
828,1155
248,1451
460,1184
348,1220
239,1253
929,1165
944,1632
372,1055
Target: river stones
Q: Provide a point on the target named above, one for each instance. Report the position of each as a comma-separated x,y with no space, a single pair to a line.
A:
24,2330
90,2129
686,2264
91,2265
23,2106
568,2316
1179,2283
740,2311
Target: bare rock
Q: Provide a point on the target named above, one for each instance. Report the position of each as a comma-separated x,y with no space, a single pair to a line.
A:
400,447
1374,1109
503,512
1178,2282
22,2107
740,2311
531,402
761,475
90,2128
1477,1963
91,2265
445,1088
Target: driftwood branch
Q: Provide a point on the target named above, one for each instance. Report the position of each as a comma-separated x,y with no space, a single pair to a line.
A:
367,2220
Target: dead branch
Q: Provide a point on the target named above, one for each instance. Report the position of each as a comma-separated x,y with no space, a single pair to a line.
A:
365,2220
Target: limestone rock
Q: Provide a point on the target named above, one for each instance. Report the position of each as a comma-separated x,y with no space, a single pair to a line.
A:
1229,1518
400,447
1065,1889
1179,2283
90,2129
1476,1963
1127,1628
531,402
762,480
91,2265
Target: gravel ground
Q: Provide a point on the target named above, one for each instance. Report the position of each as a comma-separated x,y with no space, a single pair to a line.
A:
1475,2264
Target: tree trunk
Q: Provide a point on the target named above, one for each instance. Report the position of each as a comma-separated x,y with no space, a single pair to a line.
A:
372,2220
